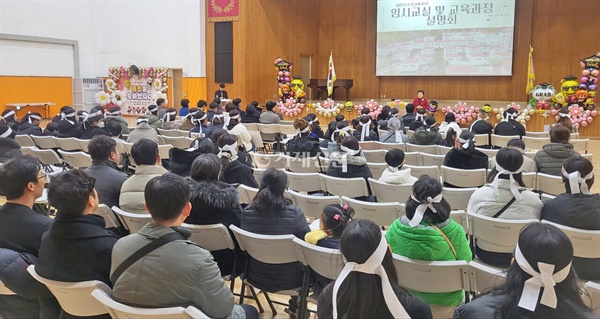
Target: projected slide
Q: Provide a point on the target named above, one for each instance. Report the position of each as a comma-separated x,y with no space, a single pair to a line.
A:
445,37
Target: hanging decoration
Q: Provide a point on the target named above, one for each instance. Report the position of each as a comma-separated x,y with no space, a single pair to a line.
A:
284,79
374,109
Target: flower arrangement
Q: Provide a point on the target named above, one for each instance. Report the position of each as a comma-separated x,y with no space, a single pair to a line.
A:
523,115
117,98
160,95
463,112
102,98
329,108
374,109
111,85
119,79
579,116
290,108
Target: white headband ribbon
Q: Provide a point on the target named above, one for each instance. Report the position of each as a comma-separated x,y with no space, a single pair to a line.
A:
577,183
348,151
153,108
199,121
191,114
422,208
366,127
115,113
514,187
398,134
304,130
344,129
510,116
420,118
228,151
7,133
465,143
373,267
231,118
64,116
546,278
9,113
393,169
168,115
565,115
142,120
33,116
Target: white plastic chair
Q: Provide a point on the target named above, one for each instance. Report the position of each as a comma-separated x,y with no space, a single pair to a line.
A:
535,143
304,182
463,177
25,140
580,145
586,243
594,291
413,158
443,150
483,277
432,276
382,214
257,140
133,222
481,139
301,165
5,291
287,129
109,216
546,197
367,145
501,140
163,151
171,133
68,144
389,146
428,149
177,141
490,152
537,134
251,126
432,159
247,193
375,156
460,217
267,160
312,206
386,193
458,198
75,298
48,157
44,142
530,180
351,187
76,159
119,310
496,234
83,144
258,173
550,184
377,169
417,171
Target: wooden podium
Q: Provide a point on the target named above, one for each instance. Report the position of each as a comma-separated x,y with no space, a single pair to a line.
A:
319,87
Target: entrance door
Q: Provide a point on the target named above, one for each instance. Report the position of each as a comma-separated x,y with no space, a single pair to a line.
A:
305,72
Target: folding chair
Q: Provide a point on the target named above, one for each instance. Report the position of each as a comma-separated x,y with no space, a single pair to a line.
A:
247,193
490,152
5,291
251,126
377,169
586,243
311,205
48,158
460,217
301,165
25,140
171,133
483,277
183,133
428,149
76,159
324,164
546,197
44,142
177,141
432,160
119,310
481,139
163,151
75,298
389,146
267,160
133,222
351,187
463,177
287,129
271,249
258,173
109,216
443,150
29,150
267,131
537,134
417,171
83,144
594,291
375,156
580,146
382,214
502,140
535,143
367,145
413,158
550,184
304,182
496,234
387,193
530,180
257,140
67,144
410,134
458,198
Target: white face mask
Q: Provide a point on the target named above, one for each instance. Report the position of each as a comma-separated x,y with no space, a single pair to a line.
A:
101,124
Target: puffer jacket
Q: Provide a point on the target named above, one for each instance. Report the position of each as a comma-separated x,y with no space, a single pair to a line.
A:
399,177
217,203
239,173
89,131
302,146
373,136
29,129
143,131
181,160
132,198
357,166
179,273
291,221
119,120
508,128
426,137
424,242
9,148
550,158
154,121
67,129
463,159
486,202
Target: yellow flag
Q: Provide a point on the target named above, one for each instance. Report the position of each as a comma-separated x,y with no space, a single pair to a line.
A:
530,72
330,75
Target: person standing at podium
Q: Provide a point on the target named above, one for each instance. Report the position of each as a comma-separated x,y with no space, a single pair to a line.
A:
420,101
221,93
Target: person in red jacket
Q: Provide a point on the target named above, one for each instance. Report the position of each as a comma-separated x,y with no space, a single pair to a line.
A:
420,101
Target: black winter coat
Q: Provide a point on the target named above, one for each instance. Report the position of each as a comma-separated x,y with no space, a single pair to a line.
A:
21,228
299,147
9,148
408,119
316,129
181,161
509,128
291,221
373,136
66,129
29,129
464,159
239,173
90,131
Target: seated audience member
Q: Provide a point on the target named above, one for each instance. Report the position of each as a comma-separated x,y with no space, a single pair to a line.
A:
341,131
331,127
543,251
394,174
236,128
238,102
143,130
181,159
213,108
577,207
464,155
271,213
216,124
9,117
528,163
428,233
201,105
509,126
482,125
9,148
93,124
506,197
304,144
77,247
363,131
550,158
169,120
349,161
199,121
385,113
186,124
214,202
252,115
409,117
427,134
68,126
232,169
449,123
81,114
59,117
21,228
153,116
104,169
114,131
270,117
30,124
369,267
449,140
564,118
185,107
115,117
50,129
215,135
177,273
148,165
395,132
315,128
419,120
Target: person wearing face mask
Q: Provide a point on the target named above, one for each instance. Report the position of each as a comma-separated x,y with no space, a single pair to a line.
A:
93,124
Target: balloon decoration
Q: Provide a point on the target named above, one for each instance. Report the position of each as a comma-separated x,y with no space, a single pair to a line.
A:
349,106
119,79
102,98
290,107
568,86
284,79
397,104
374,109
523,115
329,108
542,95
588,83
297,86
464,113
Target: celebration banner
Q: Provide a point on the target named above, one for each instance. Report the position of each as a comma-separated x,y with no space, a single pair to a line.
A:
223,10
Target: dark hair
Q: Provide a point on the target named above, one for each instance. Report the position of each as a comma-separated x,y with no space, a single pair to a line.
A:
236,102
511,111
254,103
393,112
357,243
101,146
467,135
222,85
160,101
410,108
450,137
201,103
559,134
510,159
166,196
69,192
450,117
4,128
216,134
185,103
539,242
335,218
10,118
580,164
429,121
421,91
203,145
144,152
155,110
114,129
81,115
250,109
394,157
385,111
336,135
423,188
270,199
206,168
25,118
16,174
213,105
364,111
197,117
351,142
229,107
190,111
516,143
339,118
51,127
225,139
171,118
233,122
271,105
364,120
566,121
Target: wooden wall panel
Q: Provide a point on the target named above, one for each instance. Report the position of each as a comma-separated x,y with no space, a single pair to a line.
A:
19,89
194,89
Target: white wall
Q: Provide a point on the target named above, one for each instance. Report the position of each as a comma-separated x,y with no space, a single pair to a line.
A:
115,33
42,59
